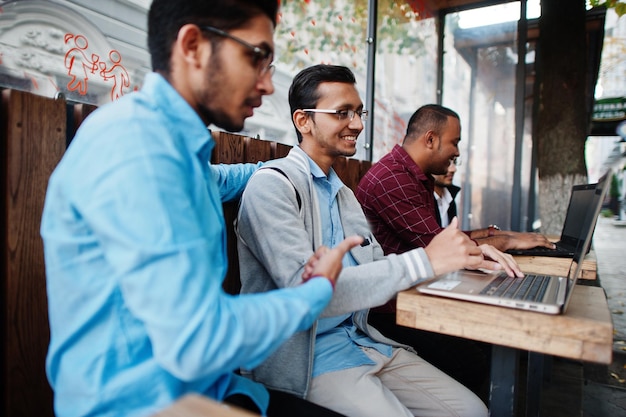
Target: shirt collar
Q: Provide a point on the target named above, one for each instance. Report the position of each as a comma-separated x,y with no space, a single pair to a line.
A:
191,129
446,197
318,174
404,159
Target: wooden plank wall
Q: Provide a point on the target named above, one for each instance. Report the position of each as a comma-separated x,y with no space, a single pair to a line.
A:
33,141
34,132
232,149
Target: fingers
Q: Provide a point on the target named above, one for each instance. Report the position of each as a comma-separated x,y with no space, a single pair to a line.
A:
547,243
452,249
348,243
539,240
527,240
328,262
310,265
500,260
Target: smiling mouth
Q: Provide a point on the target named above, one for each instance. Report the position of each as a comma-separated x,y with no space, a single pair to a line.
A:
349,138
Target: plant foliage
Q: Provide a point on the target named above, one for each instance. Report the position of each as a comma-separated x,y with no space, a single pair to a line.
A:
618,5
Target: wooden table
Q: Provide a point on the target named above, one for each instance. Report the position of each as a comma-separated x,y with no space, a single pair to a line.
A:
584,332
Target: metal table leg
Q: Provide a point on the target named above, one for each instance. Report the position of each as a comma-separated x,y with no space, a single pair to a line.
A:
504,369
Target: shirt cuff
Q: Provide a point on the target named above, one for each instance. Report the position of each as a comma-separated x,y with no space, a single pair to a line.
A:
332,284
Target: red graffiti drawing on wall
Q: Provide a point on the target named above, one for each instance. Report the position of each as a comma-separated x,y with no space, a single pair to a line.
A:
80,67
117,73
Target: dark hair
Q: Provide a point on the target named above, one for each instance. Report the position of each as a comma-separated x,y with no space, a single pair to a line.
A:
303,92
429,117
166,17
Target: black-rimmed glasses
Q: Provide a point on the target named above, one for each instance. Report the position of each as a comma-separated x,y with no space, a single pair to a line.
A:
263,56
341,114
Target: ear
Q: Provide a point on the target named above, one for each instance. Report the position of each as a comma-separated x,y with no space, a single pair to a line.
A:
191,45
430,139
301,121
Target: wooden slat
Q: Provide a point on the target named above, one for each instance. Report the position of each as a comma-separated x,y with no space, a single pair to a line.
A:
35,141
193,405
80,113
257,150
280,150
232,283
229,148
349,170
365,166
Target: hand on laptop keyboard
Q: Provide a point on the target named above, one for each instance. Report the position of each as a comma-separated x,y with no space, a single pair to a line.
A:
497,260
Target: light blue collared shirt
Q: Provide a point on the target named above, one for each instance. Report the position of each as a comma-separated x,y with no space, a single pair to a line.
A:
338,339
135,253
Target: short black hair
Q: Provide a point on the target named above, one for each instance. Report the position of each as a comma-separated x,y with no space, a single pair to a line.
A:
166,17
428,117
303,92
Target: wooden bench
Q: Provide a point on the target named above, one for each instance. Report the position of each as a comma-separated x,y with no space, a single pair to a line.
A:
35,132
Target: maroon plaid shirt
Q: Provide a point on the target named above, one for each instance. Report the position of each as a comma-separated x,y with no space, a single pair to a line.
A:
397,198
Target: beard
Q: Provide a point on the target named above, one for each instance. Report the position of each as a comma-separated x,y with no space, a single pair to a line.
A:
211,97
341,151
219,119
349,153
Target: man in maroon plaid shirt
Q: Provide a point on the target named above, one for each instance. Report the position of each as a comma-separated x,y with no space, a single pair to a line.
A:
397,197
397,192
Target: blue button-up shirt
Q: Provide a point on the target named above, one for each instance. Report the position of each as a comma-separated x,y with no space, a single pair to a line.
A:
134,241
337,339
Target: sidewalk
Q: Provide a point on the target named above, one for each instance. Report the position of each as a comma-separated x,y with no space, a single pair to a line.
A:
604,390
609,242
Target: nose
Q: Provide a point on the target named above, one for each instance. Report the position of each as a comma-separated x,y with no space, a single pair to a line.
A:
356,123
265,83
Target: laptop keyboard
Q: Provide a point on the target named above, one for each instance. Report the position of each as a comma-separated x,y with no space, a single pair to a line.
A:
530,288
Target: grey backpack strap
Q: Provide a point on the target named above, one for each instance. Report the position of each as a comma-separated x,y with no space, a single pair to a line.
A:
289,179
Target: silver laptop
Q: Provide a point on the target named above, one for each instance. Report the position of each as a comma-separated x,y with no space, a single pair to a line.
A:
574,227
542,293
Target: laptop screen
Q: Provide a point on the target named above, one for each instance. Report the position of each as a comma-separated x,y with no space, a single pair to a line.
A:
584,241
581,199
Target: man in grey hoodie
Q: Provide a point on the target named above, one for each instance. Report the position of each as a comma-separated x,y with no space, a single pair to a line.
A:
297,203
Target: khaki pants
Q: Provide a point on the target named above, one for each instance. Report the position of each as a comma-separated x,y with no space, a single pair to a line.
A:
402,385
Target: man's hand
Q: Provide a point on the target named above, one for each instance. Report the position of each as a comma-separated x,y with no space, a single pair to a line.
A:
506,240
452,249
527,240
327,262
499,260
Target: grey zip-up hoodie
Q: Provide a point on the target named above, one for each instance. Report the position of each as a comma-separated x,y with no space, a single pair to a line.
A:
279,228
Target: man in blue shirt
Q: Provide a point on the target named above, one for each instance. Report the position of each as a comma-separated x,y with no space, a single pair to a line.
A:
134,234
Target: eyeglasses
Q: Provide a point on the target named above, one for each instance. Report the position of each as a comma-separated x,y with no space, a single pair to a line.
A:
341,114
456,160
263,56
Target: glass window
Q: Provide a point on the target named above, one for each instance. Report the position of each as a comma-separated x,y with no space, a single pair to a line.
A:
311,32
406,70
479,67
